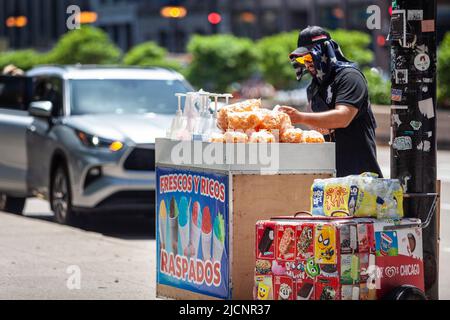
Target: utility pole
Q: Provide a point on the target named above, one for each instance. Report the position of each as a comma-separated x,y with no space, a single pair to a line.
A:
413,141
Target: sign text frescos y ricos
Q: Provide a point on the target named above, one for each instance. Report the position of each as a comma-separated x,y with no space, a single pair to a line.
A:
192,231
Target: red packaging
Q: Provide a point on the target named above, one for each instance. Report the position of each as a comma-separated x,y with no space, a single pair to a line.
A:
285,242
265,240
305,241
327,289
305,289
284,288
365,237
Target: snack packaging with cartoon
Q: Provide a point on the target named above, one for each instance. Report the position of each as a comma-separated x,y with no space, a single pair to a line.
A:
365,195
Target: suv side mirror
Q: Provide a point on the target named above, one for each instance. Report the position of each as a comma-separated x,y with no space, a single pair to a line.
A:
41,109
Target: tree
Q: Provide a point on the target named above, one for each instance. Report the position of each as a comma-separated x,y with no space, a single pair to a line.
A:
220,60
149,54
354,45
273,52
24,59
379,88
87,45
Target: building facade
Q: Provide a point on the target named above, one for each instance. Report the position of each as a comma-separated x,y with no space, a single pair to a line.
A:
129,22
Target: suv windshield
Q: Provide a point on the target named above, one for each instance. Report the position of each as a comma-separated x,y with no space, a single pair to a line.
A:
124,96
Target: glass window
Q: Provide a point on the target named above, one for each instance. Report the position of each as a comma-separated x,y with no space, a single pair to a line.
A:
49,89
14,92
125,96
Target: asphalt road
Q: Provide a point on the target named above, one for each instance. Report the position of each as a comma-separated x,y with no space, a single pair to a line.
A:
115,258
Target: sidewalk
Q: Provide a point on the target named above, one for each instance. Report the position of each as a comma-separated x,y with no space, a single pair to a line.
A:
382,115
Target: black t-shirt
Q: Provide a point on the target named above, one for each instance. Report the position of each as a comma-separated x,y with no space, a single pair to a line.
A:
355,145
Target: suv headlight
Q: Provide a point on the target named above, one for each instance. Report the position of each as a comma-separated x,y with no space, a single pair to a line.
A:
94,141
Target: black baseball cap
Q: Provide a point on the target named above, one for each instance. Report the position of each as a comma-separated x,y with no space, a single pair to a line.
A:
308,38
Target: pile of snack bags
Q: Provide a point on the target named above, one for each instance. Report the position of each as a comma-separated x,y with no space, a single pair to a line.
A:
242,122
363,195
247,121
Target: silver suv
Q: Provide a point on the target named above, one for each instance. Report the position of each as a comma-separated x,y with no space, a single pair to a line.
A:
83,137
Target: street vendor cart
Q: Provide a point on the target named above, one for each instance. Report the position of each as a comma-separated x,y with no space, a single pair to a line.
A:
209,197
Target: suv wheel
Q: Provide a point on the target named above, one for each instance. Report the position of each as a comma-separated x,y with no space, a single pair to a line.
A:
61,200
11,204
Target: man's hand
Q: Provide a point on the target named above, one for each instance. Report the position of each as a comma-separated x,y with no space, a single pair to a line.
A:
323,131
294,114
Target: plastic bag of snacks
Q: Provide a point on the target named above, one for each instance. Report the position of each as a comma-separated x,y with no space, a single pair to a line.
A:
217,137
313,136
292,135
235,137
248,120
360,196
274,120
262,136
247,105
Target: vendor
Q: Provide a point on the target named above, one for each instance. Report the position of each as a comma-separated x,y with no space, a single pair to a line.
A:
339,98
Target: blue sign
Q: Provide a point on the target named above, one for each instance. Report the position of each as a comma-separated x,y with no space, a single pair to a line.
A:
192,231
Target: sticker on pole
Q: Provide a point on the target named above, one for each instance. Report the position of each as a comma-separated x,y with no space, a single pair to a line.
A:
402,143
422,62
192,239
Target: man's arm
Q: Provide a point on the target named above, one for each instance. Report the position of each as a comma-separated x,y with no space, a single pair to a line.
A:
340,117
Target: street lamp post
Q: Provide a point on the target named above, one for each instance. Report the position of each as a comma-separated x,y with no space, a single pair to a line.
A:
413,141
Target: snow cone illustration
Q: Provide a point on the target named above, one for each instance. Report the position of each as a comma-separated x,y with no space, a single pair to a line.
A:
162,223
183,225
206,234
218,237
173,224
194,231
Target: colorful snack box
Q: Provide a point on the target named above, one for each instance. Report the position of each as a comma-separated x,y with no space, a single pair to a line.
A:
327,289
265,236
325,244
263,288
305,289
348,238
336,258
284,288
285,242
305,241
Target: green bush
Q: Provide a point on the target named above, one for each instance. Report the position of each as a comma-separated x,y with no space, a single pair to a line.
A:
220,60
149,54
443,68
379,89
354,45
273,52
24,59
87,45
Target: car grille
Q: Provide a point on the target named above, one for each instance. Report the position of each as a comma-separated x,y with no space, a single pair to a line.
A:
141,159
